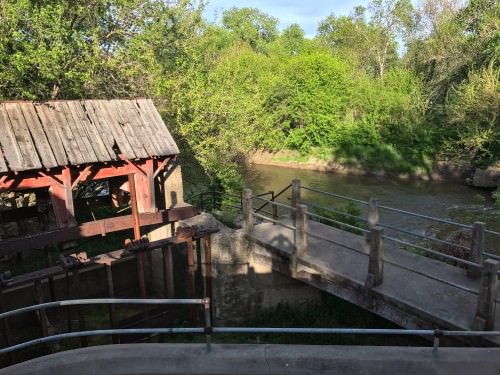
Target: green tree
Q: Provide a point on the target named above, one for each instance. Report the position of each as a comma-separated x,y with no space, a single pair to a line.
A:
474,110
293,38
251,26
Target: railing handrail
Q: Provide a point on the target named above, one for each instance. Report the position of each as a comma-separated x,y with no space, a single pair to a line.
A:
274,197
397,210
106,301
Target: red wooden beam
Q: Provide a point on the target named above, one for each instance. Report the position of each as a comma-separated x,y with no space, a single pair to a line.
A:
93,228
29,180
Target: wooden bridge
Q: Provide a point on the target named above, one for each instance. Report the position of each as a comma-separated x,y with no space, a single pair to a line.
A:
376,271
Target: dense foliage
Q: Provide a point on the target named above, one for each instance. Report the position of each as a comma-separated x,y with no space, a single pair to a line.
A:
391,87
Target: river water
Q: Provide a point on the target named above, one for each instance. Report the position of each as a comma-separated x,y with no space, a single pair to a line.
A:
446,200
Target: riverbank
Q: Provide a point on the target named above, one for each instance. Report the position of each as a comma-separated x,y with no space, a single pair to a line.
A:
438,171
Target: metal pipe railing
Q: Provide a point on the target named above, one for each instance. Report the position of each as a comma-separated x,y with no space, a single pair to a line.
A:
436,253
255,330
353,227
104,301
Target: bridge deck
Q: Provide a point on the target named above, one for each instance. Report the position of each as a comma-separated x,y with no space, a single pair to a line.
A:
413,283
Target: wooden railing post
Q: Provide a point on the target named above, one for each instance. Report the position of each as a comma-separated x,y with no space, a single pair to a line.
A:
373,216
476,248
247,211
376,262
295,197
484,320
301,228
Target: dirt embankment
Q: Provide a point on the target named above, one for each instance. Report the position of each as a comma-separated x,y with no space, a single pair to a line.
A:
441,170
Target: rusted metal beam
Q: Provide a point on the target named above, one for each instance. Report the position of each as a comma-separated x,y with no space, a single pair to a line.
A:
93,228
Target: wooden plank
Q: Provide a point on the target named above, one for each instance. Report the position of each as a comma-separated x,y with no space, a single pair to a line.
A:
162,126
54,115
170,146
93,228
128,129
89,130
86,149
10,148
150,128
38,134
96,117
50,128
154,128
115,129
23,137
132,114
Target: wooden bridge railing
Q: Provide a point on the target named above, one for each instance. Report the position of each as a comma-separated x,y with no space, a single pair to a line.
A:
486,271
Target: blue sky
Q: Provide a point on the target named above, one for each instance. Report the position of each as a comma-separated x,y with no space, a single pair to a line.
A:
307,13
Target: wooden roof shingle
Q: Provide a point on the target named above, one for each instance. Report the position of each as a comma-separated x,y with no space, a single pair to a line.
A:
36,135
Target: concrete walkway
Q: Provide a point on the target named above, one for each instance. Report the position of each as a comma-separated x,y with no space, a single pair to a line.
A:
193,359
417,292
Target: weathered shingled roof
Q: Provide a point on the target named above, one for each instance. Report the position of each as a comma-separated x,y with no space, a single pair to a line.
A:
43,135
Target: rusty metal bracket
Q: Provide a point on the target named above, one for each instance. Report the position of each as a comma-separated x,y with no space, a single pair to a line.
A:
134,246
73,261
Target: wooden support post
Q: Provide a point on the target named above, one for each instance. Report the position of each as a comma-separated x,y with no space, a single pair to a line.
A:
484,320
191,270
247,211
301,229
150,177
208,268
6,329
191,275
137,235
77,295
133,206
476,249
112,307
168,273
42,314
295,197
62,200
376,262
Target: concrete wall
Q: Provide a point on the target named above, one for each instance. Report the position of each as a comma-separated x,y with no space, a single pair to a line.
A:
169,359
241,284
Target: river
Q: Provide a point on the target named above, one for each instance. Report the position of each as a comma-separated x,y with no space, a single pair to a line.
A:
441,199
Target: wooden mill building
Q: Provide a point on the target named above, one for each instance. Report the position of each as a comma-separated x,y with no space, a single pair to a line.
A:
51,147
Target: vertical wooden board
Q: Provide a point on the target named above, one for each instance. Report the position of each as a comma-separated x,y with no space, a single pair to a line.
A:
8,141
145,138
155,123
89,130
116,129
65,133
50,128
39,138
150,128
86,149
96,117
162,128
23,137
128,129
